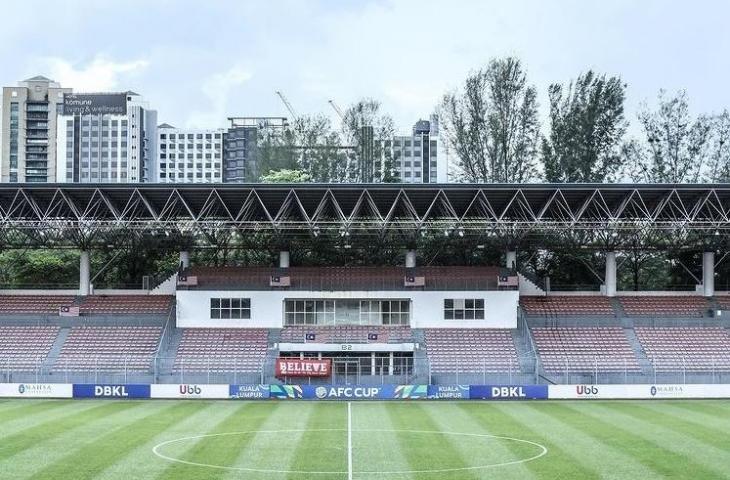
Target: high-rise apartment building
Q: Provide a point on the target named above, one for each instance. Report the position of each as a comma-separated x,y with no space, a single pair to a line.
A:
106,138
29,116
189,155
415,158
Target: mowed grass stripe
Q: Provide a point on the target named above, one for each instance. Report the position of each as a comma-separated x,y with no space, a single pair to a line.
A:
642,444
586,443
245,416
314,450
449,417
693,422
101,452
25,415
556,463
442,451
48,450
141,462
375,451
710,410
41,432
670,438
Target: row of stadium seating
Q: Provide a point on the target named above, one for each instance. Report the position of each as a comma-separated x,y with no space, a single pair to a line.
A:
346,334
678,306
90,305
606,349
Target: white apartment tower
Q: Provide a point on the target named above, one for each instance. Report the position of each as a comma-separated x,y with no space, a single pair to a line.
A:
189,155
106,138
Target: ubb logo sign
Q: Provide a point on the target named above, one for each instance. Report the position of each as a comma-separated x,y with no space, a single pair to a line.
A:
190,390
586,390
346,392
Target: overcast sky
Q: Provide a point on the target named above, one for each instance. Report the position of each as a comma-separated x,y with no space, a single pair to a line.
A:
198,62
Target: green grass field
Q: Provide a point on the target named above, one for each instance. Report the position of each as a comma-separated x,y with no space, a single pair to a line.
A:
54,439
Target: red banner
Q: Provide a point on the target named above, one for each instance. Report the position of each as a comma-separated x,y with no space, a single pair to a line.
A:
308,367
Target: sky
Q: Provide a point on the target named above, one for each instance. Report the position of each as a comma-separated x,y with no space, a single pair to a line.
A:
198,62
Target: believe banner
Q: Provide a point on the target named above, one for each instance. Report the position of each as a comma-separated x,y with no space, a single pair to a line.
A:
303,367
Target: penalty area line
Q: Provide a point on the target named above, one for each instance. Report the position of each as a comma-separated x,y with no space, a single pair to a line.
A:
349,440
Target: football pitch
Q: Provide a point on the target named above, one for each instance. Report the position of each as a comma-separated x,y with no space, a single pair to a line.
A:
59,439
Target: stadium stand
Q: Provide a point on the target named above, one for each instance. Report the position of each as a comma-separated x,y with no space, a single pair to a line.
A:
346,334
125,304
584,349
567,305
25,347
470,350
665,306
109,348
33,304
221,349
689,348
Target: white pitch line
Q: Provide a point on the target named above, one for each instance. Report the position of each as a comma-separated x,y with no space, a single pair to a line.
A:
349,441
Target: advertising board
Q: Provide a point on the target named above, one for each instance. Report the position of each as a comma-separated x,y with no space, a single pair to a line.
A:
448,392
508,392
303,367
666,391
349,392
91,390
36,390
95,104
248,392
188,390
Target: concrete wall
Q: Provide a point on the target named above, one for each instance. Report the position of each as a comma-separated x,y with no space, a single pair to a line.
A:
267,307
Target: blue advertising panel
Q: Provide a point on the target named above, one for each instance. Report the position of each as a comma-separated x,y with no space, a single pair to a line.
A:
508,392
448,392
91,390
350,392
249,392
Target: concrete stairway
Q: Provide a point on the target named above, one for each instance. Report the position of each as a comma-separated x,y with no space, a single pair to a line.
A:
643,360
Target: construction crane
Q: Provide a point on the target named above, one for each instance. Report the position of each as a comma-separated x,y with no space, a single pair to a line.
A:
287,105
337,109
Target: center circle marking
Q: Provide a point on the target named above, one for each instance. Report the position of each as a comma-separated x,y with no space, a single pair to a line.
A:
156,450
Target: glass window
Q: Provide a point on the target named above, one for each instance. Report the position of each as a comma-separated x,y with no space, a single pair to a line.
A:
464,309
237,308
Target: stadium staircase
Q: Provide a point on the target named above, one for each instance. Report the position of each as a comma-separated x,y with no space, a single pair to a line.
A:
644,363
56,347
530,284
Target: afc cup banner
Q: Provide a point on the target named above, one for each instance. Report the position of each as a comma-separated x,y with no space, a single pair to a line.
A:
508,392
36,390
349,392
91,390
448,392
188,390
303,367
248,392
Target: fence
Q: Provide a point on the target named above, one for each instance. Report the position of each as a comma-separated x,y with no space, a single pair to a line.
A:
523,370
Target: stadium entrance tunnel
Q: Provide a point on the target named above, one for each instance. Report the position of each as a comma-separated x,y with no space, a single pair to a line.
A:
374,452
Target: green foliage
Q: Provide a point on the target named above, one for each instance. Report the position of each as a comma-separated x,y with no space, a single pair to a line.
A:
493,125
286,176
587,125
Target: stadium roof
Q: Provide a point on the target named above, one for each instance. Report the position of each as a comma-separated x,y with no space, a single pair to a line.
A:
370,209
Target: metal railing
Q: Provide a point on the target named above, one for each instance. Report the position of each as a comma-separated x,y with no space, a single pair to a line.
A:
523,370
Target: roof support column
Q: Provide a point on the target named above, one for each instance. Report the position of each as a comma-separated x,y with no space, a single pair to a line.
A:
84,273
708,274
610,277
284,259
511,259
411,259
185,259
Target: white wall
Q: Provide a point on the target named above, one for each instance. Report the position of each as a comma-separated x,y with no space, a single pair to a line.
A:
267,307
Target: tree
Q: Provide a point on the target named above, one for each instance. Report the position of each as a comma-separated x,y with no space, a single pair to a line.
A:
719,158
286,176
587,124
367,128
676,144
493,124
